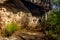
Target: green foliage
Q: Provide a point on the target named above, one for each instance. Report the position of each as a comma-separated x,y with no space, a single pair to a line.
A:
10,29
52,18
58,29
53,24
51,36
56,2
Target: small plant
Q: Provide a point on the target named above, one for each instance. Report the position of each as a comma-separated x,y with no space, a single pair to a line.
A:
11,28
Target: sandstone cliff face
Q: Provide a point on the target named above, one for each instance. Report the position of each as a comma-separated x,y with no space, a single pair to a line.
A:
25,19
10,14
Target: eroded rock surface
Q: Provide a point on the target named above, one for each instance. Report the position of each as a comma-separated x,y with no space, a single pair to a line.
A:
28,35
26,20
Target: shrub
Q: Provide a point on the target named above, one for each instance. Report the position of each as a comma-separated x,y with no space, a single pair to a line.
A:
53,25
10,29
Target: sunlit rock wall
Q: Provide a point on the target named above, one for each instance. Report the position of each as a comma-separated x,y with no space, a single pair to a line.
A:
21,18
